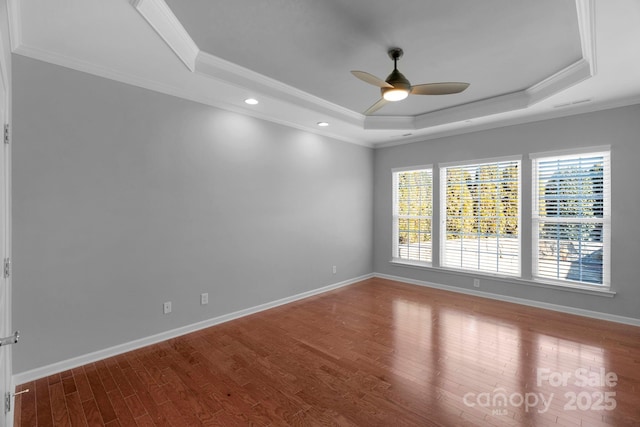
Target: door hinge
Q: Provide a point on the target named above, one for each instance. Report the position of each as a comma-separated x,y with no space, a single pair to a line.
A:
7,399
7,268
6,133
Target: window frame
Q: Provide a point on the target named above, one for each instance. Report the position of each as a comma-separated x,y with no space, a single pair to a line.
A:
443,167
536,219
396,216
527,192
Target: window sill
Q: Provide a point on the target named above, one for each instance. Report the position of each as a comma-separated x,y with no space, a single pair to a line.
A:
588,290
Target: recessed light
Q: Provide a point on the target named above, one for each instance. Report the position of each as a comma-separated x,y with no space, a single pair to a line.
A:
323,124
251,101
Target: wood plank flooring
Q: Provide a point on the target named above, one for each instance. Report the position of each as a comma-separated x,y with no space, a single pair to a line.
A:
377,353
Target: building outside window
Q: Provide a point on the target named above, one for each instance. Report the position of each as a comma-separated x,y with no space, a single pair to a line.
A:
571,217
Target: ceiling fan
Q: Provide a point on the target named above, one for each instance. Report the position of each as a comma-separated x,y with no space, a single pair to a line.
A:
396,87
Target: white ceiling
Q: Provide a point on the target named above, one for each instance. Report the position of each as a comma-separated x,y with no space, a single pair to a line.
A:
316,43
525,61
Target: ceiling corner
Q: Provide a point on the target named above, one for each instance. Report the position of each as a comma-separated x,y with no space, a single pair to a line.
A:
563,79
15,23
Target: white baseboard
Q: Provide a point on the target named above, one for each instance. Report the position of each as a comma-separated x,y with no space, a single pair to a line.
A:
64,365
34,374
554,307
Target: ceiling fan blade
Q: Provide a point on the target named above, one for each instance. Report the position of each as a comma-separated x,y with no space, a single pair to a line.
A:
375,107
370,78
445,88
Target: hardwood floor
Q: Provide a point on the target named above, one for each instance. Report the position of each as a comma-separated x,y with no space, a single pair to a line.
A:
377,353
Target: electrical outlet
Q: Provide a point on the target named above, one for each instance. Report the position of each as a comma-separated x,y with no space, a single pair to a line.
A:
335,269
166,307
204,299
476,283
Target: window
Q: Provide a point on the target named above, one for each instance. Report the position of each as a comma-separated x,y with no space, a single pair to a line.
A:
412,212
480,216
571,217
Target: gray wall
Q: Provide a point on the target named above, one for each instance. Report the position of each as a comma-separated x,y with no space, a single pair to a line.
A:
618,127
124,198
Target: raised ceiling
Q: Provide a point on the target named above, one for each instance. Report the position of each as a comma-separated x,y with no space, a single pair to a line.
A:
311,45
525,60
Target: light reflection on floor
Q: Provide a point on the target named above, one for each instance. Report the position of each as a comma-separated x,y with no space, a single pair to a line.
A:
453,353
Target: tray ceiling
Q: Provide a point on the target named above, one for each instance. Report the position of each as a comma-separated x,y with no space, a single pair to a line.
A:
525,60
498,46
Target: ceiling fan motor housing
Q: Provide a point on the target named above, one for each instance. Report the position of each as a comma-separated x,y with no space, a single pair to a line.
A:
401,86
400,83
398,80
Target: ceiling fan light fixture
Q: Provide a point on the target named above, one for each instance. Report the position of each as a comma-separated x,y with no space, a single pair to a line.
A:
394,94
396,87
400,86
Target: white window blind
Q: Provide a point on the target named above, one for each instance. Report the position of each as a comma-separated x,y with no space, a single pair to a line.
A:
412,213
571,217
481,217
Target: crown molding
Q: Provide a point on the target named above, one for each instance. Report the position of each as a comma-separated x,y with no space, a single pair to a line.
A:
228,72
485,107
15,23
180,92
472,110
163,21
514,121
158,14
587,28
160,17
563,79
97,70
